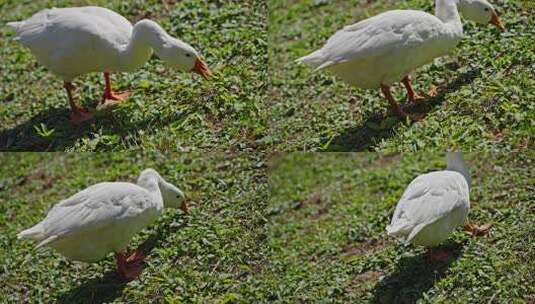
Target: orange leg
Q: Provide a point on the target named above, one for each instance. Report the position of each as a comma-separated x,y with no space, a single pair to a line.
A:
413,96
395,106
129,267
393,103
137,256
111,97
78,114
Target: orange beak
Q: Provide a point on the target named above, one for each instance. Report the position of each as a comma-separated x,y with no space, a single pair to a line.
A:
495,20
184,207
202,69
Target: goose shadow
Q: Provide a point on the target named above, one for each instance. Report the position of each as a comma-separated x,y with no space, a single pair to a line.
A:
24,137
414,276
109,287
361,138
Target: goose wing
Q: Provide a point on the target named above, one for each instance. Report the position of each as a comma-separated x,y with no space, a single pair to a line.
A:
378,36
60,25
94,207
427,198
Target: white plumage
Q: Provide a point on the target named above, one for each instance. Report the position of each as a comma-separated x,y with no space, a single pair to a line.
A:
104,217
79,40
384,49
433,205
74,41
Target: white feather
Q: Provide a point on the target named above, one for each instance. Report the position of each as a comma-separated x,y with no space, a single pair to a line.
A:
101,218
78,40
385,48
432,206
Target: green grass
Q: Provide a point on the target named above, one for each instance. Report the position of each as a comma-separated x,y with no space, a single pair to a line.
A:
486,86
208,256
260,99
169,110
327,239
314,235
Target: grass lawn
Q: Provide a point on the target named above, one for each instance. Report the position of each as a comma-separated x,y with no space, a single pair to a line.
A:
169,110
327,239
486,86
208,256
316,234
285,228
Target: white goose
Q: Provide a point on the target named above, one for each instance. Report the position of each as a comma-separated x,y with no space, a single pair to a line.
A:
434,205
79,40
104,217
381,50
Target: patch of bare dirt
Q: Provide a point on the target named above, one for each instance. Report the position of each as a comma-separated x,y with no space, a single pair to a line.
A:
275,159
321,211
46,181
385,160
363,280
214,123
313,199
317,201
364,248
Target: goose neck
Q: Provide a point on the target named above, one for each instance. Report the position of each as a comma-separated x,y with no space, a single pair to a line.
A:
147,36
447,11
456,163
150,181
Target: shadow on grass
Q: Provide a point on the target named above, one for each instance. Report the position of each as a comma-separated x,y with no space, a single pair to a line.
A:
362,138
25,138
109,287
99,290
414,276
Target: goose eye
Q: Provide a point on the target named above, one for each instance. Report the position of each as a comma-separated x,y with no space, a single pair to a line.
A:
486,9
188,55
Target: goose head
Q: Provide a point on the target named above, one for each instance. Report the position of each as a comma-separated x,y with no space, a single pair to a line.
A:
182,56
480,11
172,197
174,52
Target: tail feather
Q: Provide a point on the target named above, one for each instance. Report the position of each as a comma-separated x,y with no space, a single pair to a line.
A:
315,59
401,228
15,25
34,233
